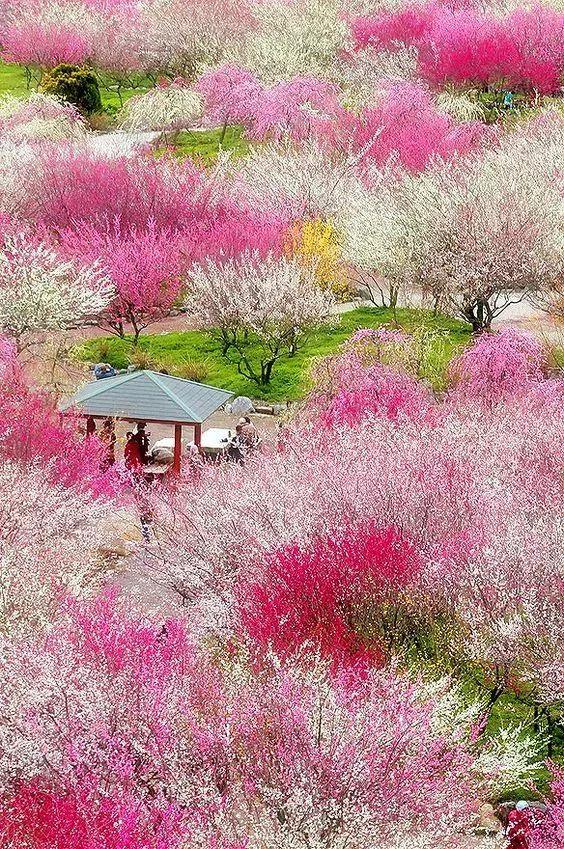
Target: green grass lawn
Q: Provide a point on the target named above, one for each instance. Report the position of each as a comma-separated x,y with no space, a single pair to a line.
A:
204,145
291,376
12,80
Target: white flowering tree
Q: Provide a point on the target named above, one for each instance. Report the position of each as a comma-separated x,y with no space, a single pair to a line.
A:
492,241
379,235
41,292
40,116
291,39
166,108
479,234
180,37
49,536
261,309
304,182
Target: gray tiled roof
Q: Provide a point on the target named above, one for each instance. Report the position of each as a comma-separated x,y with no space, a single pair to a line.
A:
148,396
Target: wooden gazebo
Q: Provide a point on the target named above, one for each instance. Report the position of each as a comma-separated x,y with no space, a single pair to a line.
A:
148,396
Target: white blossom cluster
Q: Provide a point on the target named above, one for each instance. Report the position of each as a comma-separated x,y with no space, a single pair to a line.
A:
41,292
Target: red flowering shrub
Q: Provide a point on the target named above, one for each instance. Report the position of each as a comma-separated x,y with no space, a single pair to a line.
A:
522,50
40,817
407,124
326,597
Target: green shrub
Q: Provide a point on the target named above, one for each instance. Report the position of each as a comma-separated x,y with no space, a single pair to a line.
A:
103,349
143,360
75,85
189,369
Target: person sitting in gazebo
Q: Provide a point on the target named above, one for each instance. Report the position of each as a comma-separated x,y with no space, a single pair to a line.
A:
249,433
132,454
237,446
142,439
108,439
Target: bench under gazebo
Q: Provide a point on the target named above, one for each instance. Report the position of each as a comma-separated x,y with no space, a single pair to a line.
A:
148,396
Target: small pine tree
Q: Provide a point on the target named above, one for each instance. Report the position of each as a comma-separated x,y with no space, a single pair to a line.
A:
74,84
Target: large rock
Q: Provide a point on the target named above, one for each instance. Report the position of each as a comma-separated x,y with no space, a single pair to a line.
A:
241,406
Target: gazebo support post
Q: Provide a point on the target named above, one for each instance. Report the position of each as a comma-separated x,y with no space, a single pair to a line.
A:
177,449
198,435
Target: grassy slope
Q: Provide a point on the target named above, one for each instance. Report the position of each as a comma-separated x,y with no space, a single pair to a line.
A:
291,376
204,145
13,80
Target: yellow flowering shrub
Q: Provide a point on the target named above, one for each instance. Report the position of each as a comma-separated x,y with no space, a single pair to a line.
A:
315,244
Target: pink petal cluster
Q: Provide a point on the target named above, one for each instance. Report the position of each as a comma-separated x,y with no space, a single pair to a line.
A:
406,125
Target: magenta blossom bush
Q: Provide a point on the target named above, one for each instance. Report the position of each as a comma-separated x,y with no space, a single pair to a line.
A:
550,832
135,695
498,365
43,816
407,125
144,265
67,185
230,94
46,46
33,432
324,597
464,46
354,390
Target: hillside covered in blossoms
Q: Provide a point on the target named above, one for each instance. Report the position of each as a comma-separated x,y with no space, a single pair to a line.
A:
281,424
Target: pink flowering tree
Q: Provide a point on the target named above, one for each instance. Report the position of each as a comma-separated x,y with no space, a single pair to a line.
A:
116,724
337,762
126,718
374,375
68,185
550,832
407,125
298,108
34,436
465,46
233,229
230,94
37,45
144,266
41,815
498,365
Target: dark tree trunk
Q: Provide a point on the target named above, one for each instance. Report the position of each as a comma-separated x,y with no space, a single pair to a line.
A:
479,315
